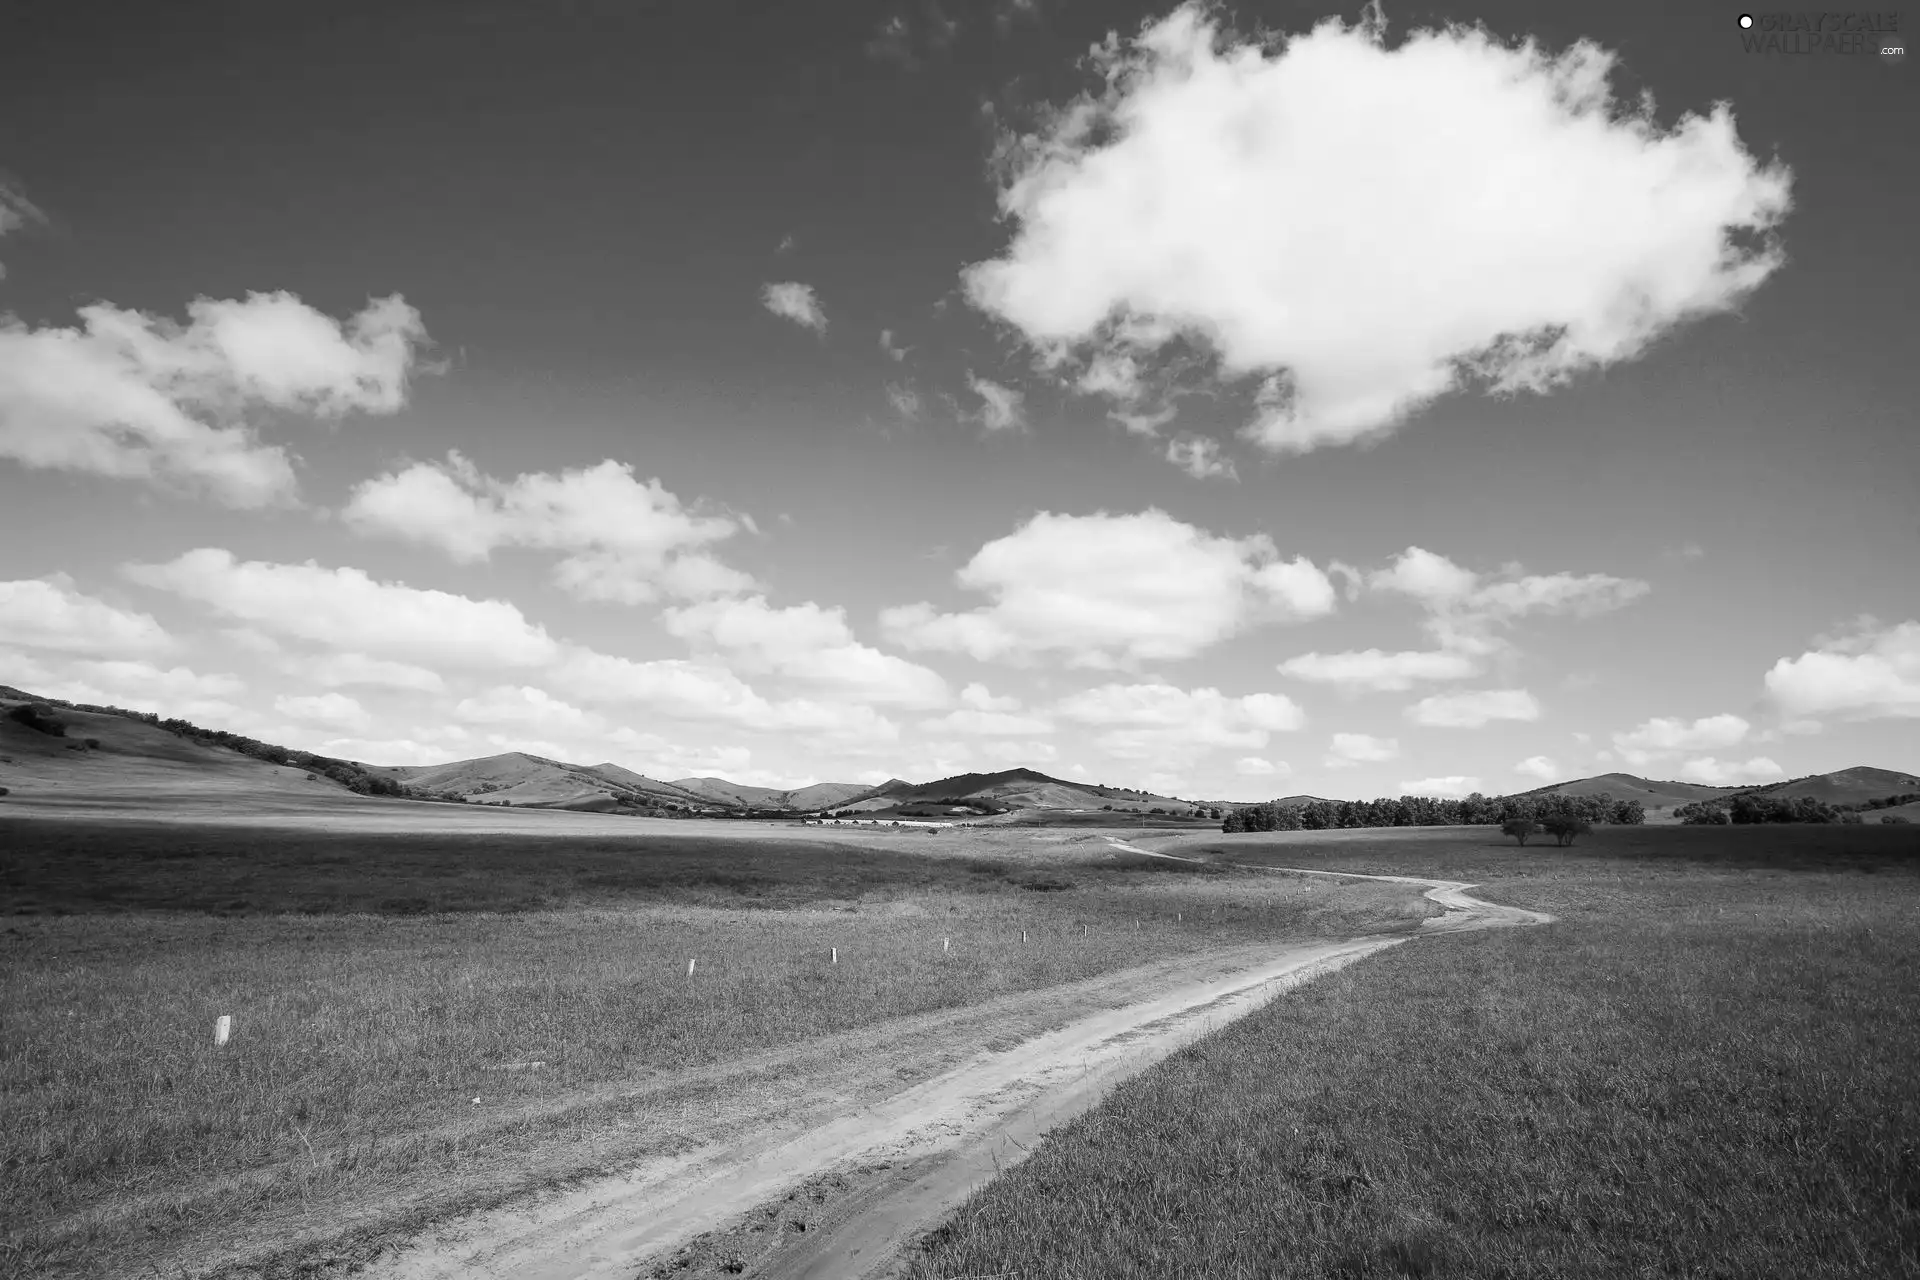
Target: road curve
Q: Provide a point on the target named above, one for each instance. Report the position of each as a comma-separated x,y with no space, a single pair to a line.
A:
941,1139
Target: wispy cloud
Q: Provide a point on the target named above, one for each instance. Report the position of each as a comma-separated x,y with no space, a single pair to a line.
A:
794,301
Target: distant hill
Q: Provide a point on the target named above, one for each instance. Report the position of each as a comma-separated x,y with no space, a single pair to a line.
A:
1005,791
517,778
1843,786
820,795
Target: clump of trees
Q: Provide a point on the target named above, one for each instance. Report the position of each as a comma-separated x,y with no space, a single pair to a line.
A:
1749,809
1564,827
38,716
1427,811
1519,829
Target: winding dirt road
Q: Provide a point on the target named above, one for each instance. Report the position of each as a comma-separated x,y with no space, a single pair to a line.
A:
913,1154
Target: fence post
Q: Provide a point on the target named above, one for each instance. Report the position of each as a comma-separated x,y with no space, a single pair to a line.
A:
836,955
222,1028
946,944
690,965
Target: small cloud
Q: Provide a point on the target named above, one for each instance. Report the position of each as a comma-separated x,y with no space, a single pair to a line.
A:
794,301
1721,773
1538,767
1686,553
1007,12
785,245
894,352
905,401
1452,787
1199,457
1003,407
16,211
1255,767
1349,749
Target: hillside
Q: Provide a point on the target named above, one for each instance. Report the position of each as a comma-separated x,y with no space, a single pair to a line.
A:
819,795
1842,786
101,754
1628,786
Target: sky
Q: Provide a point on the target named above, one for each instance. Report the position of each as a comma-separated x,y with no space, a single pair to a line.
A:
1231,402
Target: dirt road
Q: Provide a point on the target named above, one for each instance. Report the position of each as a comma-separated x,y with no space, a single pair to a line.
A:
915,1153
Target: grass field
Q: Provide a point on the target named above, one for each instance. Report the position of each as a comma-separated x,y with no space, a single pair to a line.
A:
1710,1067
384,987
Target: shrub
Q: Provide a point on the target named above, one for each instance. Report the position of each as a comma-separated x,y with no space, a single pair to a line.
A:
37,715
1564,829
1896,818
3,791
93,744
1519,828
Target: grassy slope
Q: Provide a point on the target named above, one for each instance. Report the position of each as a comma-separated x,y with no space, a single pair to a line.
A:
366,1027
1705,1069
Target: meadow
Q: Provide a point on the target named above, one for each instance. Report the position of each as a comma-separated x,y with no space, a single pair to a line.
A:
410,1011
1710,1066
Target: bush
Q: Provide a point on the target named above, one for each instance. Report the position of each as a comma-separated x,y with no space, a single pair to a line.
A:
1564,829
1519,829
3,791
1896,819
93,744
37,715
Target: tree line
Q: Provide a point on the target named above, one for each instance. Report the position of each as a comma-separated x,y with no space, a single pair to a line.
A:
1429,811
1742,810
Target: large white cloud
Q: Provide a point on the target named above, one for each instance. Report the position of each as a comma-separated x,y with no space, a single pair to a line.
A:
137,685
1373,670
1365,227
806,642
51,613
524,707
334,669
1157,721
332,710
346,609
1113,590
131,395
1346,750
1871,673
626,541
1473,708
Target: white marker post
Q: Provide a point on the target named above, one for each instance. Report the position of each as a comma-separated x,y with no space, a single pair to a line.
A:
690,965
946,944
836,955
222,1028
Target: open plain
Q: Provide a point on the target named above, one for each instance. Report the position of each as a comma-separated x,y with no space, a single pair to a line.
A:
470,1042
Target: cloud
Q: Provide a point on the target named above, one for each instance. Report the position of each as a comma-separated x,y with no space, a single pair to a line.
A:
809,643
898,34
1349,749
130,683
704,693
895,351
525,707
626,541
1872,672
1538,767
332,710
1471,709
794,301
1256,767
1454,786
1158,721
1719,773
142,397
1001,409
1664,736
333,669
1113,590
1375,671
982,723
346,609
978,697
1200,458
905,400
1465,609
1476,214
16,211
51,613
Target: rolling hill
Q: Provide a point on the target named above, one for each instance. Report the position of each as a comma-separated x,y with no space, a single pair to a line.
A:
821,795
516,778
1007,790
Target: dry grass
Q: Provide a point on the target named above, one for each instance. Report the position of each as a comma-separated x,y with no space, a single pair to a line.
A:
1708,1068
361,1040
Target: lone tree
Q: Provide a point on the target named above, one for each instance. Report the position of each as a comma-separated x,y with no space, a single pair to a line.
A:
1564,829
1519,829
